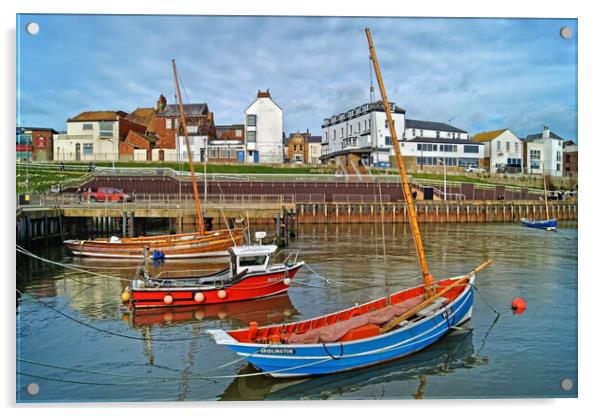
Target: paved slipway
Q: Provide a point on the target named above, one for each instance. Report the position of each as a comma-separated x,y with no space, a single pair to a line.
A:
166,355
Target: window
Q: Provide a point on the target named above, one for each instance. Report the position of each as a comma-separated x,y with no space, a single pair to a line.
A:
507,146
88,149
438,134
342,132
168,123
499,147
388,140
558,166
191,129
358,126
558,157
535,154
232,152
87,126
213,152
471,148
294,148
106,128
300,147
386,124
414,132
251,120
421,133
365,125
434,148
335,133
468,161
251,261
515,147
251,136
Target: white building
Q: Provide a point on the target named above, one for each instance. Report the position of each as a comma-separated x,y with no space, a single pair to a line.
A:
550,147
362,132
503,151
314,151
263,130
432,130
93,136
452,152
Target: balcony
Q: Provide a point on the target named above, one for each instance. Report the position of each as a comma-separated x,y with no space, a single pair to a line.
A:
350,142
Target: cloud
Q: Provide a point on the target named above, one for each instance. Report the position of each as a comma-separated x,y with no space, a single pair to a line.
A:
480,73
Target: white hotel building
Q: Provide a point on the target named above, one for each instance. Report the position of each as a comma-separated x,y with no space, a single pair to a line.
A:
364,133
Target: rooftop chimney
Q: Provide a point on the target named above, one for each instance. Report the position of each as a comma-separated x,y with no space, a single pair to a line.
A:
546,132
261,94
161,103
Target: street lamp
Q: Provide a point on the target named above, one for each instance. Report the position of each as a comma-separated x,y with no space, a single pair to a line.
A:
442,161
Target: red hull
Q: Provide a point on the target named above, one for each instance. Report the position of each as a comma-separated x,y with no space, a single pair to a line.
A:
252,287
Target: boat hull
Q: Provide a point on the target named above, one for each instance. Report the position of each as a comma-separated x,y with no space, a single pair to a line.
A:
542,224
213,245
254,286
303,360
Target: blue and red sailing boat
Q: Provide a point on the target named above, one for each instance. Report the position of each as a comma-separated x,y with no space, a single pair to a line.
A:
382,330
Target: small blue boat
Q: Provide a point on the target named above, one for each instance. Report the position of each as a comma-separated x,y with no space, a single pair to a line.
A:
268,348
543,224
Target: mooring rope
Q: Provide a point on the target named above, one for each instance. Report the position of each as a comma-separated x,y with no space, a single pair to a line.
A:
68,266
105,331
483,298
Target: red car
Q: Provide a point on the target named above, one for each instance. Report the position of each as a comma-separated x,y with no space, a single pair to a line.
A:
107,194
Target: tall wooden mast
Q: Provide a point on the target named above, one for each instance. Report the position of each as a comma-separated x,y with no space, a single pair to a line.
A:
183,124
426,276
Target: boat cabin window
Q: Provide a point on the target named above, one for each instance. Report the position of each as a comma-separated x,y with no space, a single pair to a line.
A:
252,261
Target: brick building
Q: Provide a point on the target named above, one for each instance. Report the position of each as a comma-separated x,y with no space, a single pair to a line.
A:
35,143
570,166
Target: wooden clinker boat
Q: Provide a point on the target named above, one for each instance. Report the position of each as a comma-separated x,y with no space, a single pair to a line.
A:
250,276
356,337
211,244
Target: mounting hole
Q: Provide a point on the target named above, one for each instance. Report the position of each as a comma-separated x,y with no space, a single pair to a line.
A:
566,32
33,389
32,28
566,384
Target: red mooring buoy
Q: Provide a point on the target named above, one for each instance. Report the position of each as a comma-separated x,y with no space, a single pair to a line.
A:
519,305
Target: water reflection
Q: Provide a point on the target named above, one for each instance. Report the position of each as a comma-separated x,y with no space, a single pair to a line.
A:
267,311
453,352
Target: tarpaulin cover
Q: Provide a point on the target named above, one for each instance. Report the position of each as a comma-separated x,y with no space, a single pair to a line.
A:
336,331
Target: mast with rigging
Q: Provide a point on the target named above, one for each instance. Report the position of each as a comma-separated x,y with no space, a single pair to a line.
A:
428,279
183,123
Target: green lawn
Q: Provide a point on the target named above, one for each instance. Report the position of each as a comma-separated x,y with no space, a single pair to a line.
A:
40,179
219,168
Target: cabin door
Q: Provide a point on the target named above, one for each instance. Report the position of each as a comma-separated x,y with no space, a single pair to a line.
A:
256,157
161,155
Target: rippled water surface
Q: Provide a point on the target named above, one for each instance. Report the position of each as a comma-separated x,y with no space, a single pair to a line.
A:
82,344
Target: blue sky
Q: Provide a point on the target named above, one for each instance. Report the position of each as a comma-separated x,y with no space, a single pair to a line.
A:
482,74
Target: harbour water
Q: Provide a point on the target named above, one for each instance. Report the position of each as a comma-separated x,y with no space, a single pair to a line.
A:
77,341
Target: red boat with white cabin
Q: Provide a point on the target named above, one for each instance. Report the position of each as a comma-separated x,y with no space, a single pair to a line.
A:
251,275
